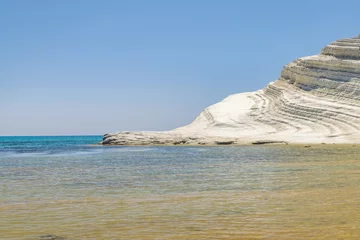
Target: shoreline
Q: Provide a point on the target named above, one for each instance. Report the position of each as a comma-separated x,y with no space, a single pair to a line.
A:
305,145
172,138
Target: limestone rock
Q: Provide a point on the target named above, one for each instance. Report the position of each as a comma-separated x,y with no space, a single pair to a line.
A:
315,100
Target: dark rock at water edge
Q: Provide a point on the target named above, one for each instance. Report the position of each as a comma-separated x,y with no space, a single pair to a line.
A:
261,142
224,142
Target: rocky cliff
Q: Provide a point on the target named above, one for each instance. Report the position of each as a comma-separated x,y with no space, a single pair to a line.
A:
315,100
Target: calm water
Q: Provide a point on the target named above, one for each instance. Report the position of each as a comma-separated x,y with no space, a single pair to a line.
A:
65,187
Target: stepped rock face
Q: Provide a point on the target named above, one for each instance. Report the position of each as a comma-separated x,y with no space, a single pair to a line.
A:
315,100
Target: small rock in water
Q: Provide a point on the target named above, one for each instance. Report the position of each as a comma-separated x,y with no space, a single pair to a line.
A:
51,237
307,146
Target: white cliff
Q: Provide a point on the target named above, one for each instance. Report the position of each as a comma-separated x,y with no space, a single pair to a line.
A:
315,100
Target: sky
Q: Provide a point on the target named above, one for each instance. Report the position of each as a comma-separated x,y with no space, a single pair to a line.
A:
75,67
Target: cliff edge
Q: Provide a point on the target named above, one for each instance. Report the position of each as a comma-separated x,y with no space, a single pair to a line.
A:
315,100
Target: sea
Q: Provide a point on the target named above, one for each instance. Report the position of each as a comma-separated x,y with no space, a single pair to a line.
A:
67,187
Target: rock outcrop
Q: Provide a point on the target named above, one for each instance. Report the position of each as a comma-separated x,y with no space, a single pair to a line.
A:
315,100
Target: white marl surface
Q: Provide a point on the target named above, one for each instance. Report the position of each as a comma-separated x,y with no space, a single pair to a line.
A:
315,100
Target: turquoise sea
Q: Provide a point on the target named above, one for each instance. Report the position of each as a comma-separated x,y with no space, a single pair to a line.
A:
67,188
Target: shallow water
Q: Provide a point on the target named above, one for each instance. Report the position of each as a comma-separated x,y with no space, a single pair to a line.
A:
70,189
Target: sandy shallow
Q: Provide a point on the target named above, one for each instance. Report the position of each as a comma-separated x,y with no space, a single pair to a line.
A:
250,192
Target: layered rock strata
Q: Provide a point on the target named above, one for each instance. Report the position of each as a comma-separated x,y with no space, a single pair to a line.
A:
315,100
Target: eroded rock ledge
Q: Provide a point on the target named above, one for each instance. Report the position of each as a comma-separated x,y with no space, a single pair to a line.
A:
315,100
164,138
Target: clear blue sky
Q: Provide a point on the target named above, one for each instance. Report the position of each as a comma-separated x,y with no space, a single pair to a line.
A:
92,67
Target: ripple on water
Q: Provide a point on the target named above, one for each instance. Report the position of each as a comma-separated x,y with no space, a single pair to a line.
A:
183,193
